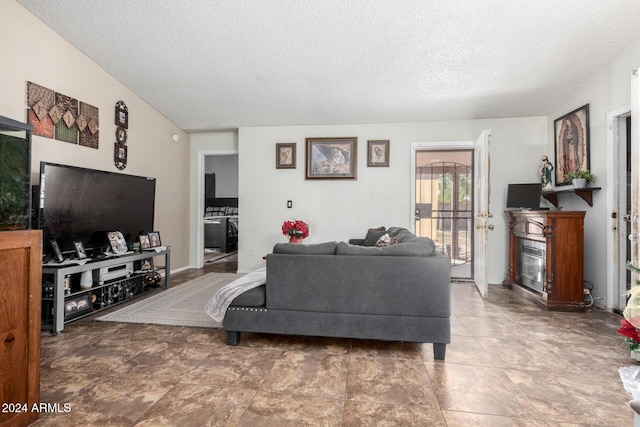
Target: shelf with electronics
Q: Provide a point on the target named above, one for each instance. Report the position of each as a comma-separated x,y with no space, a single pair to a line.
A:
78,288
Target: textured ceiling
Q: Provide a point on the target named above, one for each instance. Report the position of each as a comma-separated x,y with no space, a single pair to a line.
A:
220,64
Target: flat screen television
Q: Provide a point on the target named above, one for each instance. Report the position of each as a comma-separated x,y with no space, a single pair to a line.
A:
83,205
524,196
15,175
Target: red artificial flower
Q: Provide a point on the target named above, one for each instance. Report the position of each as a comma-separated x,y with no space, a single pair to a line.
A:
628,330
295,228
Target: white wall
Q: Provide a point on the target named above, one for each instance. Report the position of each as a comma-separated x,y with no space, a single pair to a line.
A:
608,90
33,52
343,209
226,169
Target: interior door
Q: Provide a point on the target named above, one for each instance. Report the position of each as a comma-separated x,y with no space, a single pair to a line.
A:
482,168
635,162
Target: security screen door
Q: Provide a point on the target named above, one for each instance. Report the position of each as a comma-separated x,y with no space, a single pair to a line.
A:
444,205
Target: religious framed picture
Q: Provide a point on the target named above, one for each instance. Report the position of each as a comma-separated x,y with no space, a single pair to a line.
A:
571,143
286,155
331,158
378,153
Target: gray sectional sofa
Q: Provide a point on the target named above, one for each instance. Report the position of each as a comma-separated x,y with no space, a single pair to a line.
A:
399,292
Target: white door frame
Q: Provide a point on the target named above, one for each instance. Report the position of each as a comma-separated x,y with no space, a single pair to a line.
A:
616,207
199,240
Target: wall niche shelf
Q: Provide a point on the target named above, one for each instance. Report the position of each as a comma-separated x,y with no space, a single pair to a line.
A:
586,194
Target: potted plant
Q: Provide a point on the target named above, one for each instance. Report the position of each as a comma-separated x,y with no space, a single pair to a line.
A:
580,177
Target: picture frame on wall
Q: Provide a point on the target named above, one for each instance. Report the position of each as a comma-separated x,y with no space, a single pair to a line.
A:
571,143
331,158
122,115
378,153
286,155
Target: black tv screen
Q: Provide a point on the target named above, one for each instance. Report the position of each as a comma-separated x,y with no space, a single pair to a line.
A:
524,196
82,205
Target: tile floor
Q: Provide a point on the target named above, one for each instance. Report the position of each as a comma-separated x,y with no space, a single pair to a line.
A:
509,364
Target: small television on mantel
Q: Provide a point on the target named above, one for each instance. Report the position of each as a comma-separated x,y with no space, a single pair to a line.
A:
524,196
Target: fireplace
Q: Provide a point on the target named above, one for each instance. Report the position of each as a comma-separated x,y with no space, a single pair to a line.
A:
531,260
545,258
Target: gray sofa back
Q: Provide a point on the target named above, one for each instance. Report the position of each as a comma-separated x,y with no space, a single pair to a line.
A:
359,284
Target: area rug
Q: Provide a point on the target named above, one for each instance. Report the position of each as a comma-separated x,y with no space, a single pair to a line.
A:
182,305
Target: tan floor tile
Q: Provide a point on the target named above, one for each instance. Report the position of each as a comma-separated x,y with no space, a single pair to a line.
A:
196,406
392,381
378,414
116,402
309,373
283,410
229,366
478,389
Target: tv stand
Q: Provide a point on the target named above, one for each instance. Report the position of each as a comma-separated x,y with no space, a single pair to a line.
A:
113,280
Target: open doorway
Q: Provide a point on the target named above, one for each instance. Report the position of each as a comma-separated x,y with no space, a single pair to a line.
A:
444,204
220,207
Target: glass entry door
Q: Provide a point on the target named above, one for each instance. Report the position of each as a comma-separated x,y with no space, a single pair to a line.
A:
444,205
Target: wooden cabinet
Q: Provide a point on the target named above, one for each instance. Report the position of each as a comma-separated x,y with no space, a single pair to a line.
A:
558,238
20,287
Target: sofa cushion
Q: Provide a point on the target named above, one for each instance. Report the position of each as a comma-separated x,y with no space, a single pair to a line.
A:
252,298
326,248
418,248
402,234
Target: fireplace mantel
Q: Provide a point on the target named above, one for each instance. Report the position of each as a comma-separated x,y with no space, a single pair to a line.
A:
563,235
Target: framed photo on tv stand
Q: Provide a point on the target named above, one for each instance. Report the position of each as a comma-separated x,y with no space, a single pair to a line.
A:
118,244
154,239
56,251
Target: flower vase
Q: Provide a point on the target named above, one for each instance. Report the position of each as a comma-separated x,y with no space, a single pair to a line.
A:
635,355
295,239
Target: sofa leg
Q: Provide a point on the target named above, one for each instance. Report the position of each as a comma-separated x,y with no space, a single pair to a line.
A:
439,350
233,337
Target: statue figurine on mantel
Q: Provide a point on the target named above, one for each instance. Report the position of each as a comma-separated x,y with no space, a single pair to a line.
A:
545,174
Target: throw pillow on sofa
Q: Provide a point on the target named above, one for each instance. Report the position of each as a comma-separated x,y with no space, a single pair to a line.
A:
373,235
386,240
